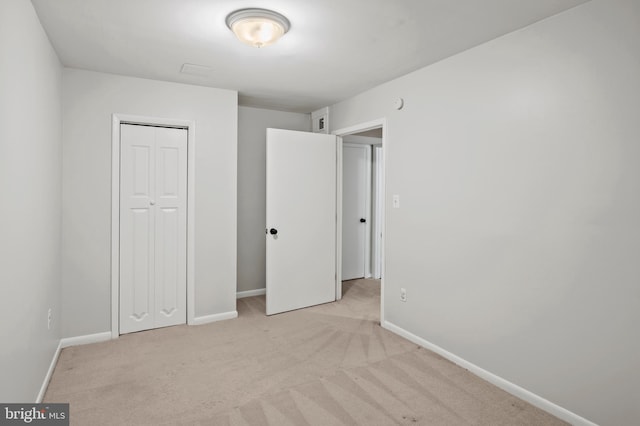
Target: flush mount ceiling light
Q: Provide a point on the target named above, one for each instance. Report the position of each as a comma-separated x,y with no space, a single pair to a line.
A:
257,27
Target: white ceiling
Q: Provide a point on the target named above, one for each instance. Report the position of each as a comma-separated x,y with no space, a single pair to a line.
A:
335,49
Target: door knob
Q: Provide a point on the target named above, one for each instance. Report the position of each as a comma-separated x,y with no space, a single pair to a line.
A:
273,231
153,203
363,220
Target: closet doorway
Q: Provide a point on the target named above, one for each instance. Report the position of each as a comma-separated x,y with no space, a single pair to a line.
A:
152,224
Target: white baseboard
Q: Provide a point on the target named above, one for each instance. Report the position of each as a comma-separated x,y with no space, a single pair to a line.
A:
85,340
47,378
503,384
251,293
206,319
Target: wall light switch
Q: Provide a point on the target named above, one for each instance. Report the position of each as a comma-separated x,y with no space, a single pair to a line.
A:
396,201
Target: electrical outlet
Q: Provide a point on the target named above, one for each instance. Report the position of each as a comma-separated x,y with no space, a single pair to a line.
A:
49,318
403,294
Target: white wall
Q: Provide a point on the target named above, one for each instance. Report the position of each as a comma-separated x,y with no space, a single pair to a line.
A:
364,140
518,236
89,99
252,126
30,190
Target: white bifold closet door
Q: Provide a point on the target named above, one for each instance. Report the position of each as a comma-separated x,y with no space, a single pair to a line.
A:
153,227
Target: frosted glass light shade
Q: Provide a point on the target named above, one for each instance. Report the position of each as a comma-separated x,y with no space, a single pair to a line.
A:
257,27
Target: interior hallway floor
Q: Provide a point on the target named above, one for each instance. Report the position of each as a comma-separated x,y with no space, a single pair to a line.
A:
326,365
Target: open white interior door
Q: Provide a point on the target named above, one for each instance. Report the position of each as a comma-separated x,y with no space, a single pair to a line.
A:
301,220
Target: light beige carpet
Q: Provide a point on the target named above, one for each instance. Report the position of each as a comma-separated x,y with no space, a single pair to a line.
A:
326,365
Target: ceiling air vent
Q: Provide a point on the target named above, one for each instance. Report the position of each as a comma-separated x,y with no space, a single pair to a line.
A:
199,70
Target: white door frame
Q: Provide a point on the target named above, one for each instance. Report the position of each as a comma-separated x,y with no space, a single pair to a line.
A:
190,126
378,212
362,127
